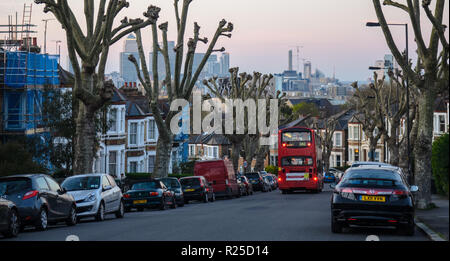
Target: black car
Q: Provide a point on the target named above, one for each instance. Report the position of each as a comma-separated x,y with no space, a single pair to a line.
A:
39,199
373,196
197,188
9,218
149,194
257,181
174,185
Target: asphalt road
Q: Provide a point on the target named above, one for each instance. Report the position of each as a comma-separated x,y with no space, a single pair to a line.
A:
261,217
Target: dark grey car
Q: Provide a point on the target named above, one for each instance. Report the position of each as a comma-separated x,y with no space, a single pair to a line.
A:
9,218
39,199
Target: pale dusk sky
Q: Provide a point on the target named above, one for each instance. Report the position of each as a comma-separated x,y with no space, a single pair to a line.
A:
332,32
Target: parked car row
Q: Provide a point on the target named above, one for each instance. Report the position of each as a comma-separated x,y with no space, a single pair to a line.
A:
371,194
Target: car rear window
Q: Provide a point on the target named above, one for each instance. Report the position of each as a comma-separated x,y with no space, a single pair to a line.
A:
146,185
171,183
12,186
252,176
190,182
372,178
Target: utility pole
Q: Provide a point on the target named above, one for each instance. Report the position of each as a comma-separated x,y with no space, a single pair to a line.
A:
45,33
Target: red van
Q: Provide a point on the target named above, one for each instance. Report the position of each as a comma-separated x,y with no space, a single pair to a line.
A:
221,174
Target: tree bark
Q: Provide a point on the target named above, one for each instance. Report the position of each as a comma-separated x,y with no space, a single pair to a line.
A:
423,145
84,140
163,154
236,154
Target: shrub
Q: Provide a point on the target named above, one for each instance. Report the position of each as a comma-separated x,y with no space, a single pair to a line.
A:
272,169
187,167
439,163
16,159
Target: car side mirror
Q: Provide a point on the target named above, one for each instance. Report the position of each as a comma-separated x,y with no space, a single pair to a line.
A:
332,186
62,191
414,188
106,188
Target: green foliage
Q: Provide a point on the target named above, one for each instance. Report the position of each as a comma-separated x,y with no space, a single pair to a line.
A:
187,167
272,169
439,162
178,176
305,108
16,159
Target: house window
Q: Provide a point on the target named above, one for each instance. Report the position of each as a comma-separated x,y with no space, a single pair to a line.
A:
441,123
191,150
113,163
216,152
113,120
338,160
356,133
151,163
356,154
133,133
377,156
338,139
133,166
151,130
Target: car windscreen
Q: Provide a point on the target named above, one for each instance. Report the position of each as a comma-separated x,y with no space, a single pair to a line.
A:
296,161
12,186
372,178
190,182
81,183
252,176
146,185
171,183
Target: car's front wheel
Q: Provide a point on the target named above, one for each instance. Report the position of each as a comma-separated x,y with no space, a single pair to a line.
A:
42,222
100,212
72,218
14,225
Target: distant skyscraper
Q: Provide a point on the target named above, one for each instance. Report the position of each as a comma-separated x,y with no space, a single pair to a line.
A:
127,68
307,70
290,60
225,63
162,62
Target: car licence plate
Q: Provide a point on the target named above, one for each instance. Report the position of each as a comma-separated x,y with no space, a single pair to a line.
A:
140,201
189,190
373,198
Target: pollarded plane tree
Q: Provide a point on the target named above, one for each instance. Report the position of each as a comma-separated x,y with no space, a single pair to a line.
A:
244,87
368,112
92,45
184,79
430,78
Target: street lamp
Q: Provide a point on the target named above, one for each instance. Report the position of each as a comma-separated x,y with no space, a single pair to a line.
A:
375,24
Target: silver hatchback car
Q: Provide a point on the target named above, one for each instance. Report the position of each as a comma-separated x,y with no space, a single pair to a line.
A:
96,195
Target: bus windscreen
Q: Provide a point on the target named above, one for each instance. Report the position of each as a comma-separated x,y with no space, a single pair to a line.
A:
296,139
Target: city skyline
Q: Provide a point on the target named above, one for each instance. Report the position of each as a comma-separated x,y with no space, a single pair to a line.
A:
263,37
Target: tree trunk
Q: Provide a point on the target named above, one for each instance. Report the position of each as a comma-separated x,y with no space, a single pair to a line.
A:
373,141
84,141
163,153
260,158
326,159
236,154
423,145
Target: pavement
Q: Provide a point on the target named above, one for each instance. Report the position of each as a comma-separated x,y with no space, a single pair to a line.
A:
269,216
435,222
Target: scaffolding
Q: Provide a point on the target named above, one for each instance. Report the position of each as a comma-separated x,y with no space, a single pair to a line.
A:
23,75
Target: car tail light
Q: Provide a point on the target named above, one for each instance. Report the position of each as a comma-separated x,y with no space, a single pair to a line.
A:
284,144
154,193
309,144
30,194
279,179
399,194
392,221
315,179
126,195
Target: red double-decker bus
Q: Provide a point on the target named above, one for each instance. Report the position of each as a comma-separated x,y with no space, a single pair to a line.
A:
299,160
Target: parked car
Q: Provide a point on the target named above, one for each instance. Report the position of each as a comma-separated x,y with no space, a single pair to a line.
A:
39,199
373,196
9,218
267,179
271,181
197,188
221,174
329,177
248,185
149,194
275,180
174,185
96,195
369,163
257,181
242,188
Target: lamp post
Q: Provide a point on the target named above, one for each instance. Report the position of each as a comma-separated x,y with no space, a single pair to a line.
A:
408,130
45,33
